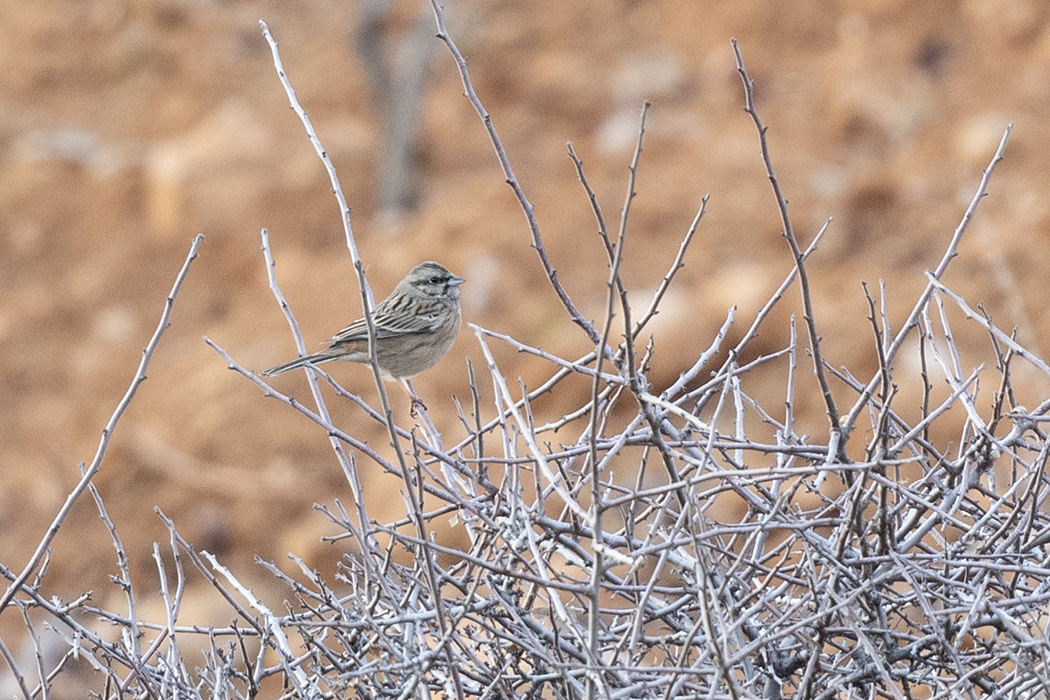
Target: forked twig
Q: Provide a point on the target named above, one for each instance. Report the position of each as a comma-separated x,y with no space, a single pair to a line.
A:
512,180
580,572
950,252
367,300
830,409
96,462
349,471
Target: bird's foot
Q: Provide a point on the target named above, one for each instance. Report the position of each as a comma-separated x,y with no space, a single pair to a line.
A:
417,405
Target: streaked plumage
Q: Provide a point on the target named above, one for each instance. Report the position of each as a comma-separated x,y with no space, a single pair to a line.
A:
415,326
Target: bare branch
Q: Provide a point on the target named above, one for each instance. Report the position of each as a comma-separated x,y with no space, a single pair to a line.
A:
831,410
512,180
950,252
96,462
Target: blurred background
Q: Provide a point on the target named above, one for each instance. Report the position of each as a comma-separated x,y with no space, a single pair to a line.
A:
127,127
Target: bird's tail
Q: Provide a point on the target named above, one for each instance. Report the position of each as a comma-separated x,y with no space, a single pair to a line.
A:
314,359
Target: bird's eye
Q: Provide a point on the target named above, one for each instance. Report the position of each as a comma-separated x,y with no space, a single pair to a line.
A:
436,280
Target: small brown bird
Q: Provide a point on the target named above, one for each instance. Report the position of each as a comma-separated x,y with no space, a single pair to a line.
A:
415,326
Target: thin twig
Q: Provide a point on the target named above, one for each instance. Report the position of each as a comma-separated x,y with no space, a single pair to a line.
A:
96,462
352,477
512,180
367,300
830,409
950,252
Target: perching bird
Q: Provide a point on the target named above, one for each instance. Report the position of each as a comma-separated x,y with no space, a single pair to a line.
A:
415,326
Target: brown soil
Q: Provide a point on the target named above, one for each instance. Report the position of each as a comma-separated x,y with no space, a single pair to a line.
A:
128,127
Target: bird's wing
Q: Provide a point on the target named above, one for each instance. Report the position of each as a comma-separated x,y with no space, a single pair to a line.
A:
422,321
388,325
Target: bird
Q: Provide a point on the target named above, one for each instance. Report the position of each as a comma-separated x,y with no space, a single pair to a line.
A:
414,328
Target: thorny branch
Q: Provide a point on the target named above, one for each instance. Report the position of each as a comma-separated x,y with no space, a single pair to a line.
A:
577,571
831,410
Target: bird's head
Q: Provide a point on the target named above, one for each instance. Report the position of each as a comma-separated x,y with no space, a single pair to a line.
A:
431,279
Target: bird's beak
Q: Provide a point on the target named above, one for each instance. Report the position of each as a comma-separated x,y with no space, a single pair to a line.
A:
455,281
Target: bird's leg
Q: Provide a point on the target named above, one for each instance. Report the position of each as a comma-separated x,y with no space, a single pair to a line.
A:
416,401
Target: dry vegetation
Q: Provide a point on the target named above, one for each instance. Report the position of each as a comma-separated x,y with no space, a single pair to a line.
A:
875,559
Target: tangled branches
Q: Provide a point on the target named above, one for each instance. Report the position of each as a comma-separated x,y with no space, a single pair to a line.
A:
595,564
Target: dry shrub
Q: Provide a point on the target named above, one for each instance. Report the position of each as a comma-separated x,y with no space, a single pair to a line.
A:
876,560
